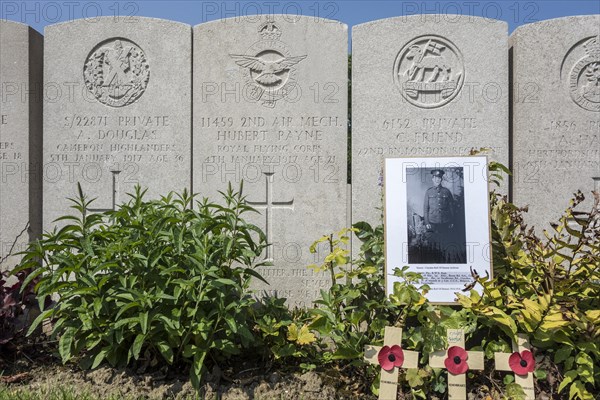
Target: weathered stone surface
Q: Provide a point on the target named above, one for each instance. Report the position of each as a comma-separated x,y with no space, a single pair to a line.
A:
117,110
21,51
556,115
424,85
270,108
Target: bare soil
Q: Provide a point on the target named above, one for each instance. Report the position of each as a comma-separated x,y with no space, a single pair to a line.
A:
37,368
105,382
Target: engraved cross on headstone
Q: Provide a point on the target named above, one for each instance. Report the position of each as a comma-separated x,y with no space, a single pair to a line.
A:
269,205
388,384
457,383
115,194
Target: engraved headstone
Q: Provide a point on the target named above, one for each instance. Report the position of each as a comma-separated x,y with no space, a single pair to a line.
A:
21,51
556,115
270,109
424,85
117,111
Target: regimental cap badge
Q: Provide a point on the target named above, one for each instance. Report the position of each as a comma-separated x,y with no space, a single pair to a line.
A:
581,68
429,71
116,72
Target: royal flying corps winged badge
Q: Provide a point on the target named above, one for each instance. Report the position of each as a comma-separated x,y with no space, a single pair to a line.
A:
269,67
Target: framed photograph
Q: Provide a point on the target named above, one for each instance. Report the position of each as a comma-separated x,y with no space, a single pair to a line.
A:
437,222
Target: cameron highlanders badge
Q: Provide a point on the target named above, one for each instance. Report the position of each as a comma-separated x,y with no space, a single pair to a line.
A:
268,67
116,72
581,69
429,71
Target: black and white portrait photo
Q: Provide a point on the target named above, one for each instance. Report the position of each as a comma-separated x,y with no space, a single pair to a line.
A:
436,216
437,222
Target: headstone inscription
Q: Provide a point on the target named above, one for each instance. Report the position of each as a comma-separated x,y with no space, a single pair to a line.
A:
424,85
117,110
21,51
270,109
556,115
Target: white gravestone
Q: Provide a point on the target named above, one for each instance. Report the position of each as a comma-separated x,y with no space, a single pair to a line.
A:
556,115
424,85
270,108
117,110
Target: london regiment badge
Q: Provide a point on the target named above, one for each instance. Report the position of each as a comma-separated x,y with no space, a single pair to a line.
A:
429,71
268,67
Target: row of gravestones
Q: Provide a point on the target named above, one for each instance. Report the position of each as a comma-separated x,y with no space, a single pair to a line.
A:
169,106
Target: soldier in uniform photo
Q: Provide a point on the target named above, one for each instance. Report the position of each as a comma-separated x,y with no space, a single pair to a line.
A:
439,220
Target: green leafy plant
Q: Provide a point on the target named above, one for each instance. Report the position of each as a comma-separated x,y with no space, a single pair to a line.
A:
160,280
548,289
356,310
354,299
152,280
283,333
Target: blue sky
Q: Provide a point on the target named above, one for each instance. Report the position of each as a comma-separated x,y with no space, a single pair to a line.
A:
38,14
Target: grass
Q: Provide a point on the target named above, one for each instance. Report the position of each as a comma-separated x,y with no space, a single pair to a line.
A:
66,393
70,393
63,393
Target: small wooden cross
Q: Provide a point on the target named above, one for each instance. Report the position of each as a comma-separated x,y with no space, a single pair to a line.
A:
502,364
457,383
389,379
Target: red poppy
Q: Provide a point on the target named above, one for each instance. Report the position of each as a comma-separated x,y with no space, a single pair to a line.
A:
391,357
523,363
456,362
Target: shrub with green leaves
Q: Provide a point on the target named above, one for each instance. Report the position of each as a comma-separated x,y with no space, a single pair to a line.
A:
547,289
152,280
356,310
